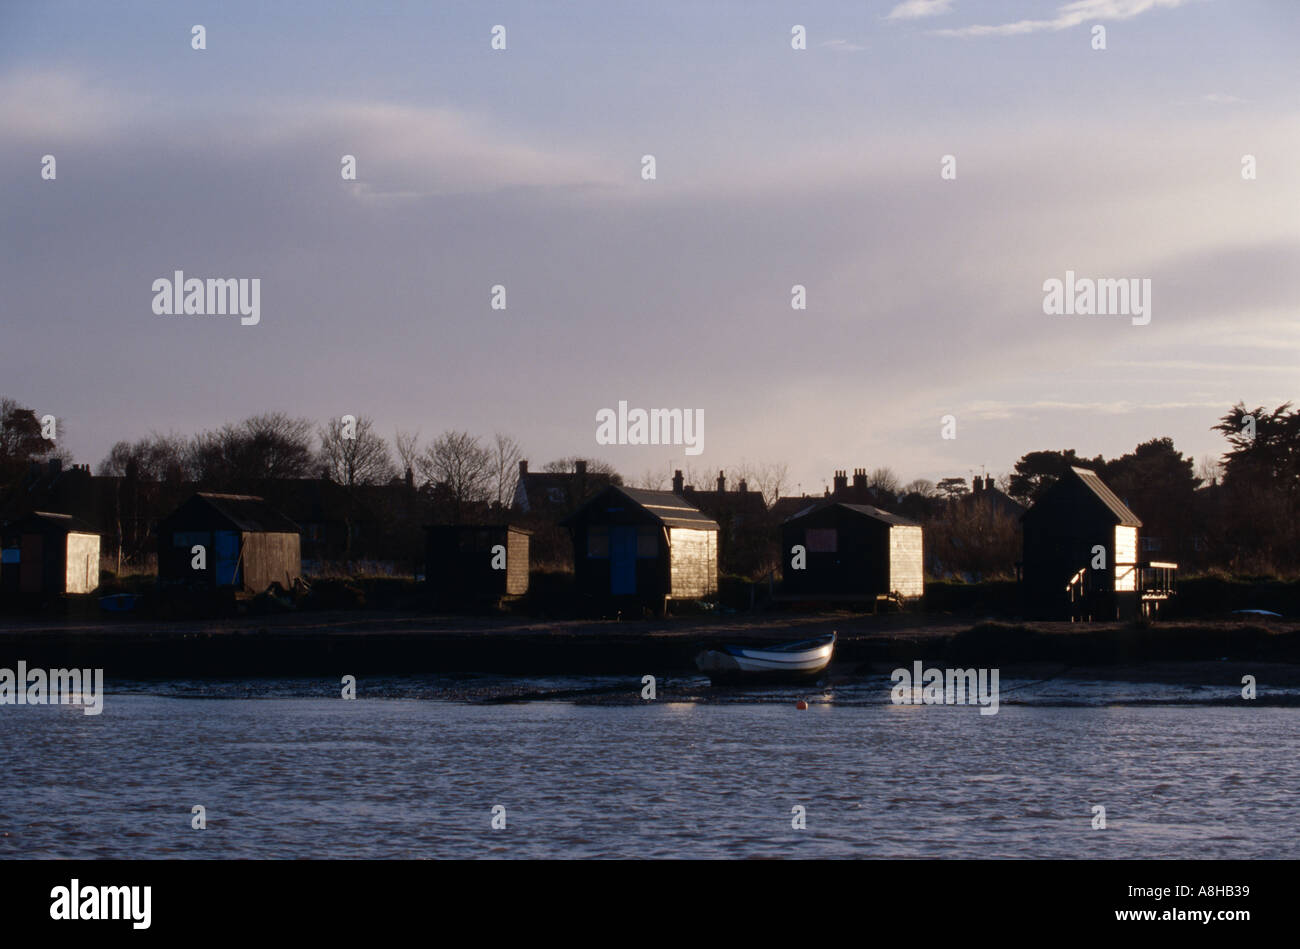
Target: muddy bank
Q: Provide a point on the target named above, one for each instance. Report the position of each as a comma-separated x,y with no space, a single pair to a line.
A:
334,643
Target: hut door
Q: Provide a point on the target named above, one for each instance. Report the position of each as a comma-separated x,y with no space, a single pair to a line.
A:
31,569
227,551
622,560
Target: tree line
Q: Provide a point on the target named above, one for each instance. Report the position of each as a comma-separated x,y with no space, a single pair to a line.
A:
1240,512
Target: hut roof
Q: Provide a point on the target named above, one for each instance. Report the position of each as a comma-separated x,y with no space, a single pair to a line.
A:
866,510
48,520
667,508
1107,497
249,513
494,526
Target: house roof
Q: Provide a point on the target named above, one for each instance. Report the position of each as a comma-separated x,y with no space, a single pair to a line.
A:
866,510
556,492
249,513
1107,497
726,502
664,506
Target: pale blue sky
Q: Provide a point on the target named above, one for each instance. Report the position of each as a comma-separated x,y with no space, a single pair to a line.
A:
776,167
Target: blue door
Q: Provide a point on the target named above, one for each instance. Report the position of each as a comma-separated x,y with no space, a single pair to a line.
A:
227,544
622,560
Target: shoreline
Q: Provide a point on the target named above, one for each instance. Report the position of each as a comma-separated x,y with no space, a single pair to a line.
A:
384,643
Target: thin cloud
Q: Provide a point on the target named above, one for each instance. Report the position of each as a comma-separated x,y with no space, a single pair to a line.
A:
916,9
1069,15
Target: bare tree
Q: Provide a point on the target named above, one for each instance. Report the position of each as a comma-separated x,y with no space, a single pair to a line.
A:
408,449
266,447
506,455
922,486
1209,470
770,480
883,480
354,453
460,467
654,479
594,466
153,458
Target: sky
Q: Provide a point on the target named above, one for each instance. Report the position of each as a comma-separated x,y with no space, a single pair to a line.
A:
522,167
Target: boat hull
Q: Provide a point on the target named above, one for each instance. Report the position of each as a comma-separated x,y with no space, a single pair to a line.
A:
732,664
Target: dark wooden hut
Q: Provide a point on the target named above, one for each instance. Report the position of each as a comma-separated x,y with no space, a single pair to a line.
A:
643,546
249,545
1081,555
476,561
50,553
851,552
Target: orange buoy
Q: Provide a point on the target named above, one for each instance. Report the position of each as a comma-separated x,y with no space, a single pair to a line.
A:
801,705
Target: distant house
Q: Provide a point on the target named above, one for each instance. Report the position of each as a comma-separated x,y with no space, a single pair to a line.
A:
988,497
476,561
1081,554
851,552
50,553
248,545
744,526
553,495
643,546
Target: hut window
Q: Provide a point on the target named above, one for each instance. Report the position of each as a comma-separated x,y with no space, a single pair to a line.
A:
598,541
647,542
821,540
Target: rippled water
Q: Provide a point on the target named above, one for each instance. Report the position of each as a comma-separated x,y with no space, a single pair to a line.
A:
285,773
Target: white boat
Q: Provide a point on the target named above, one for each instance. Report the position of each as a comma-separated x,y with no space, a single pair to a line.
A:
804,659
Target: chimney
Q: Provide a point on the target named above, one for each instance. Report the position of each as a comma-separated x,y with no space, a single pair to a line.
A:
580,468
742,487
410,479
977,485
859,479
722,483
841,483
988,483
523,467
678,481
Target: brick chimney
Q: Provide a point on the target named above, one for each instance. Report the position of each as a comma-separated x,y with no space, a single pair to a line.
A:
977,485
859,479
841,483
523,467
580,468
988,483
722,483
742,487
678,481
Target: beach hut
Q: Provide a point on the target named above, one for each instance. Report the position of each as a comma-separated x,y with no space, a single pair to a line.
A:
476,561
1081,554
851,552
248,545
50,553
643,546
